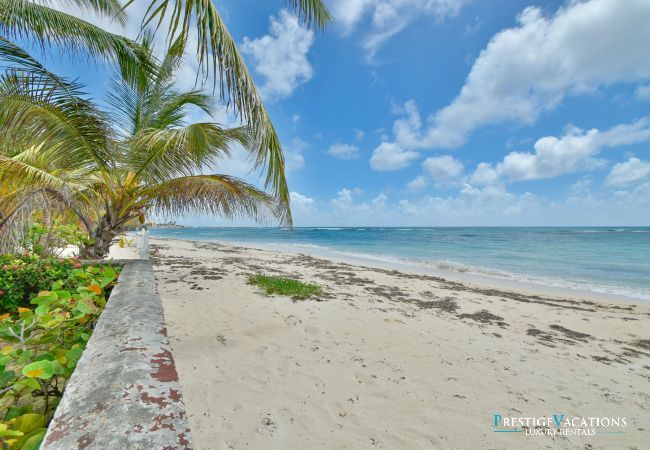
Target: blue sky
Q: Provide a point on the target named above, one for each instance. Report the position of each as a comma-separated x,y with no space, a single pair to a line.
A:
449,112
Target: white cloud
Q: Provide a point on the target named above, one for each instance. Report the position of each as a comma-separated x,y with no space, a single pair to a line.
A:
442,168
575,151
554,156
359,135
629,172
487,206
299,199
280,57
388,17
388,156
580,187
301,202
417,184
408,137
343,151
484,174
643,92
380,201
293,157
348,13
345,198
529,69
293,161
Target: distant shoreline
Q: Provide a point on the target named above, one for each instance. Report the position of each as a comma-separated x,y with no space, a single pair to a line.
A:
480,280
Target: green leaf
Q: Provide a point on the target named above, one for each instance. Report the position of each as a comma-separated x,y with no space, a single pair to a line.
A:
15,411
33,441
47,295
73,356
80,273
57,368
108,276
64,295
85,307
39,369
30,384
29,422
10,433
6,377
42,310
25,356
45,298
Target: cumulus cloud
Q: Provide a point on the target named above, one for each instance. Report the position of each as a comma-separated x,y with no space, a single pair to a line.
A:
442,168
484,174
345,199
575,151
386,18
280,57
629,172
408,137
529,69
389,156
299,199
417,184
444,171
301,202
343,151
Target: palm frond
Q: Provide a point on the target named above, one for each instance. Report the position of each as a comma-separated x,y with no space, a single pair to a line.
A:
14,59
108,8
159,107
24,19
171,111
219,195
34,112
15,172
312,13
35,168
150,100
19,205
156,155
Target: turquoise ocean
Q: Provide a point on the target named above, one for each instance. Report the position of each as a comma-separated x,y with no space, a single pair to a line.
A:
608,260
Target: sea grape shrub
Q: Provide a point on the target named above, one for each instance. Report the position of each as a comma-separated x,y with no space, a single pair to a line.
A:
39,349
23,276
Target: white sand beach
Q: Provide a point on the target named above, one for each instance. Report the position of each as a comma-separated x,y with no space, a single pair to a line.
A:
387,359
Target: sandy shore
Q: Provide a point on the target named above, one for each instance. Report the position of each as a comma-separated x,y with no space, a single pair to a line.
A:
385,359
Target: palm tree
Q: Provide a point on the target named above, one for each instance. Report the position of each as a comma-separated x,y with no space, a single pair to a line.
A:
113,167
216,52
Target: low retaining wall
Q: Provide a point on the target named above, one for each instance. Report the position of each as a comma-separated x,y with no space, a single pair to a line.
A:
124,393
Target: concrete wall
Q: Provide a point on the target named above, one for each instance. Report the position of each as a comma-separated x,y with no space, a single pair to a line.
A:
124,393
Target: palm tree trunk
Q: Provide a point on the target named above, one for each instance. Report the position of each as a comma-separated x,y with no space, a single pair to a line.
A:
47,226
100,244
